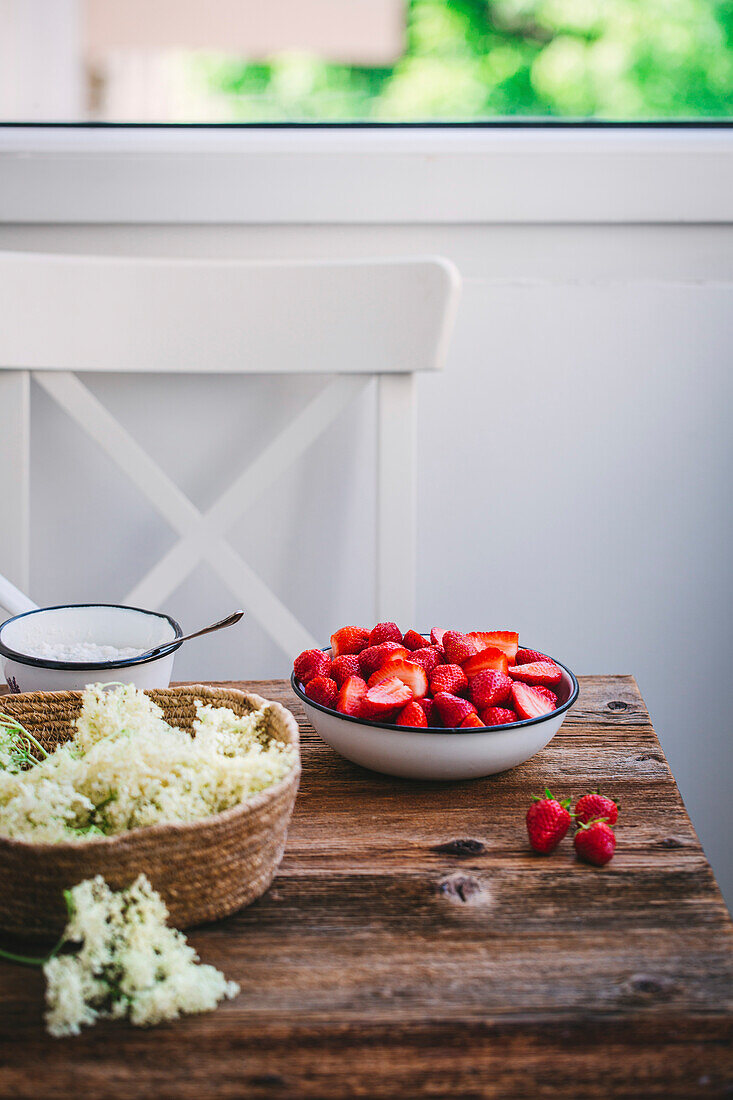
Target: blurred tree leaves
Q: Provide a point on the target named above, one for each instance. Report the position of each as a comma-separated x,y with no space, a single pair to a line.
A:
473,59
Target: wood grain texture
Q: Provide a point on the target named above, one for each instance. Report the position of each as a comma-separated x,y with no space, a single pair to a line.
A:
412,945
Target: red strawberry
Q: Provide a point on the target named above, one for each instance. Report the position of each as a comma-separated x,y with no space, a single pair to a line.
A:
412,715
374,657
489,688
310,663
429,709
385,632
537,672
526,656
595,805
546,694
487,658
385,697
458,647
436,636
323,690
506,640
595,843
349,639
413,640
343,667
450,678
452,709
547,822
429,657
470,721
409,672
351,695
497,716
528,703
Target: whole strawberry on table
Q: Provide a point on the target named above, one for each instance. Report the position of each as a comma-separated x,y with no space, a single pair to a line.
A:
450,680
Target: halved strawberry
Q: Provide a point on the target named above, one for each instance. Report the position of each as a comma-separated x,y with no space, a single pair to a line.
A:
490,658
471,720
385,632
498,716
489,687
528,703
429,657
449,678
384,698
409,672
506,640
549,695
524,656
412,715
343,667
436,635
537,672
374,656
452,709
413,640
458,647
349,639
351,695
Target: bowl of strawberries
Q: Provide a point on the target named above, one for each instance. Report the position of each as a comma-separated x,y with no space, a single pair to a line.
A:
444,706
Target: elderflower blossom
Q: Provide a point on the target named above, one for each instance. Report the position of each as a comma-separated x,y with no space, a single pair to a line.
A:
129,964
126,768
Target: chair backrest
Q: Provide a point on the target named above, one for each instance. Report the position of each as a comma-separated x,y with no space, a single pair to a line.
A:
110,313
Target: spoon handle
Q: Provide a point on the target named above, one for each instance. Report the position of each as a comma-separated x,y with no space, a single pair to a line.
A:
230,620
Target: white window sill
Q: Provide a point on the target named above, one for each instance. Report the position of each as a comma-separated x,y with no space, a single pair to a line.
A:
280,176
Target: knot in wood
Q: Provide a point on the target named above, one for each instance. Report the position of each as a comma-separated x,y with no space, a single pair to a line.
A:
617,704
463,847
648,985
461,889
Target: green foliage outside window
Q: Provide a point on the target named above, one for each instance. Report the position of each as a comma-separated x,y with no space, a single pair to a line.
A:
474,59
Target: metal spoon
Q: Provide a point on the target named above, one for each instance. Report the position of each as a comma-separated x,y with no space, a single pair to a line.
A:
230,620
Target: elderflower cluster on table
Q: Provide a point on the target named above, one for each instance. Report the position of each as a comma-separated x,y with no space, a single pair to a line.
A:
126,768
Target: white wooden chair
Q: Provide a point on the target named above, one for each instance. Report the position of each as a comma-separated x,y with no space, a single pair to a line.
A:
61,315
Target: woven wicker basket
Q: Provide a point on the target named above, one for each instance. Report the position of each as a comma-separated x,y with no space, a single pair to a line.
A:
203,871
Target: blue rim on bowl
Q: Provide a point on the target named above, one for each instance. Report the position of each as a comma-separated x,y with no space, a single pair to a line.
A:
87,666
444,729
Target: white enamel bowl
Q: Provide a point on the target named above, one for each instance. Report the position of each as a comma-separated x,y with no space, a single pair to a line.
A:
439,754
103,624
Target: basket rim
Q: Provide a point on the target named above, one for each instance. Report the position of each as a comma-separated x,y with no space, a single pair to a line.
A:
173,828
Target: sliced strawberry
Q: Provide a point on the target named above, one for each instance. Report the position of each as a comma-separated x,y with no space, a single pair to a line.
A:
409,672
449,678
537,672
547,694
452,709
524,656
458,647
385,632
343,667
498,716
429,657
310,663
506,640
470,721
490,658
384,698
528,703
429,709
436,636
351,695
349,639
323,690
374,657
412,715
488,688
413,640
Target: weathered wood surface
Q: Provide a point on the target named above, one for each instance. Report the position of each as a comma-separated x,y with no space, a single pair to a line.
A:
412,945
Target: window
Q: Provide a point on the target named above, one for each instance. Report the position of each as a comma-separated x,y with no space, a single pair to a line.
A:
375,61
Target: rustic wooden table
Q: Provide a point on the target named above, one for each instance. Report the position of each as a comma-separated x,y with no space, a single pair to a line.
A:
412,945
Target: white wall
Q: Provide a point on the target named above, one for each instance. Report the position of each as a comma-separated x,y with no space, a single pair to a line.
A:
574,467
